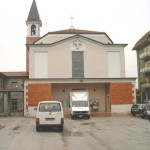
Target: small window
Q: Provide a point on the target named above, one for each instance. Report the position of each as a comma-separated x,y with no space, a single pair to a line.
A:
80,104
14,104
13,85
33,30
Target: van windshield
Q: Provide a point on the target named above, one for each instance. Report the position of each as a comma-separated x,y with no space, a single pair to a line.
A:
49,107
79,104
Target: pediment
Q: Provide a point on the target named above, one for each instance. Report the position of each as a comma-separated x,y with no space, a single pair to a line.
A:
77,41
52,37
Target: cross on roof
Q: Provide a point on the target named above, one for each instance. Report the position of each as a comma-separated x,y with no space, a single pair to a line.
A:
71,26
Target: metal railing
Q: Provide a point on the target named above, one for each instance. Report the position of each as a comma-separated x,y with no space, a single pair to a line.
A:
145,85
145,69
145,55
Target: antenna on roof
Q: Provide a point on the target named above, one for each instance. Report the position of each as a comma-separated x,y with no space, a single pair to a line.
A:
71,26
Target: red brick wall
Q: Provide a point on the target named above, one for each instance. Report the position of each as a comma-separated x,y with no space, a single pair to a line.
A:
37,93
29,40
121,93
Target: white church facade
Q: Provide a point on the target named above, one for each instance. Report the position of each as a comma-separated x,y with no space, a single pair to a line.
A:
75,60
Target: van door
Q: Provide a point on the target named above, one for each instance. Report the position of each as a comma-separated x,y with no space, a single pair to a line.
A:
50,113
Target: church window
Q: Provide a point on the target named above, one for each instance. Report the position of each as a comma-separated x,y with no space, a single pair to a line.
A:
77,64
33,30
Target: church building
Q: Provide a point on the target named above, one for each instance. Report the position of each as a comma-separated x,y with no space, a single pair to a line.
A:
75,60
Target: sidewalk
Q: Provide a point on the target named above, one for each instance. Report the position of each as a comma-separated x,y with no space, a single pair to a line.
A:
103,114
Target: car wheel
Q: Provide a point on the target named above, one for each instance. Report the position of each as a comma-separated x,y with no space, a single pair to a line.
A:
87,117
133,114
61,128
37,128
73,117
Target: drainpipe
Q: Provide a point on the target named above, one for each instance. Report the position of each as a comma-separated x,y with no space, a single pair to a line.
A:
5,104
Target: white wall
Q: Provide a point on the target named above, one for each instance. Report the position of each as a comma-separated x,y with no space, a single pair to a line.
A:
124,108
30,112
59,59
40,65
113,64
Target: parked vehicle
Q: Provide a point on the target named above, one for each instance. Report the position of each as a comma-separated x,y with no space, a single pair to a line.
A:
136,109
79,104
141,106
144,111
49,113
148,113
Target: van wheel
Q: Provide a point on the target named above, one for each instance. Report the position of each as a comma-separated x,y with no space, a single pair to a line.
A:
61,128
37,128
87,117
73,117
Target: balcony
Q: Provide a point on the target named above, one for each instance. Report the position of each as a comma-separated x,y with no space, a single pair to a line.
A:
145,85
145,55
145,70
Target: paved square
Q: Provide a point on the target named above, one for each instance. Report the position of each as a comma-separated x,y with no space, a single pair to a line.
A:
105,133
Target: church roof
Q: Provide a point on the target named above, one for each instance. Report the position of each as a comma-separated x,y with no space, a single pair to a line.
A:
145,40
75,36
76,31
14,74
33,14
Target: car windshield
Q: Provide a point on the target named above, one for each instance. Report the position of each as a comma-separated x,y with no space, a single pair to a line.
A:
80,104
147,107
49,107
144,106
135,106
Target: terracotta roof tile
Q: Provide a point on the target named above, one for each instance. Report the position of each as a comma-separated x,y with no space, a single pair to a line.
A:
76,31
15,74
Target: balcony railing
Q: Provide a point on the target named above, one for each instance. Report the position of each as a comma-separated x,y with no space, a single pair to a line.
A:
145,70
145,55
145,85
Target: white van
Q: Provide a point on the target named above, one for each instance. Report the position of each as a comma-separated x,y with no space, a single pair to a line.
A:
49,113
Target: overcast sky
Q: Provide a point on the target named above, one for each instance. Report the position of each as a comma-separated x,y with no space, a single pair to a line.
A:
125,21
